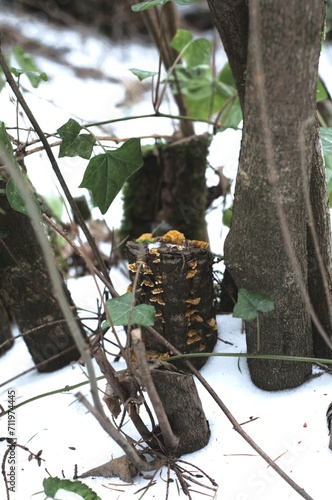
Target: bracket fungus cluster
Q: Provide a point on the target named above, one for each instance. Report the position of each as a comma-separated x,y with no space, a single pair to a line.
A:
175,275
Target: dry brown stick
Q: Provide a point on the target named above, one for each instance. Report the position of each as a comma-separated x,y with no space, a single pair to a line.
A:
112,378
162,37
170,440
129,450
231,418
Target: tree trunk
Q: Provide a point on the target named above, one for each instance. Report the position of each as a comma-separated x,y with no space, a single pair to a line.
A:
320,299
26,290
6,337
183,408
278,99
169,191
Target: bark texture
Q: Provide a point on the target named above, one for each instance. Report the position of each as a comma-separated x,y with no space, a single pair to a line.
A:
169,191
278,154
26,290
183,408
178,282
6,337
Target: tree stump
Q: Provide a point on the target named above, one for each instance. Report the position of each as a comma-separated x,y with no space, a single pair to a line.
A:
169,191
183,407
177,280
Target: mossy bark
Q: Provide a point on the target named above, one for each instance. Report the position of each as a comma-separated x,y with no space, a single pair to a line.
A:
169,191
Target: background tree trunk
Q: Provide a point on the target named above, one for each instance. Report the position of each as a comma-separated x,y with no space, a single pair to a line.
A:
288,37
26,290
169,191
6,337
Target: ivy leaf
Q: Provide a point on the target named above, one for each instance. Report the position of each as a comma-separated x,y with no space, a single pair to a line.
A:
53,484
13,194
106,173
181,39
321,93
226,75
5,141
196,52
249,304
121,312
326,137
142,74
27,66
143,315
328,170
74,144
146,5
35,77
185,2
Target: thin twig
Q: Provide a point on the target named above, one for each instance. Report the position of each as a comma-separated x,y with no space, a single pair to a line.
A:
81,254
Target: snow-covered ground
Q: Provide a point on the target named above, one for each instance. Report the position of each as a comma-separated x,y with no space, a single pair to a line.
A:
289,425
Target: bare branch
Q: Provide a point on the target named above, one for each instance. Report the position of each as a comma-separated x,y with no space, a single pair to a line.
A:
171,441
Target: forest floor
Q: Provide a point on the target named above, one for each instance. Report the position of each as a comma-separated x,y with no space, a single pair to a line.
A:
289,425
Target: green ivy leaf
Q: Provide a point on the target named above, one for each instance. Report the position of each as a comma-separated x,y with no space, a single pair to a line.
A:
5,141
321,93
326,137
142,74
181,39
13,194
143,315
106,173
53,484
27,66
196,53
227,216
146,5
185,2
73,143
249,304
328,170
119,309
14,198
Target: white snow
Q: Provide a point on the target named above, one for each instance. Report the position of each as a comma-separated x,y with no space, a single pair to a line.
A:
289,425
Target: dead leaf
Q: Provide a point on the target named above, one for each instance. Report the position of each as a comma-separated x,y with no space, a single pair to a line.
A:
117,467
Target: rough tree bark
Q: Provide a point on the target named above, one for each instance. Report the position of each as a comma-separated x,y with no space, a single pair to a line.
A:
6,337
26,291
280,45
169,191
177,281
